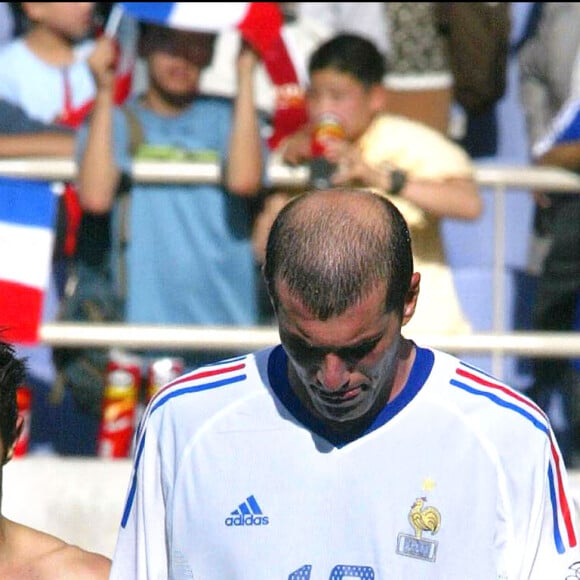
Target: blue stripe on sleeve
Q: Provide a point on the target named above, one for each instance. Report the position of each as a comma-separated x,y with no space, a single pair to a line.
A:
141,443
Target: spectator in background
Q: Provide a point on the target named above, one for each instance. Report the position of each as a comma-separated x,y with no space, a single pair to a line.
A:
426,175
419,41
27,553
44,72
419,79
477,36
549,63
189,254
305,26
433,51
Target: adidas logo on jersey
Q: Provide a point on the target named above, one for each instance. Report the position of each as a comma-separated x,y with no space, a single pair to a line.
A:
248,513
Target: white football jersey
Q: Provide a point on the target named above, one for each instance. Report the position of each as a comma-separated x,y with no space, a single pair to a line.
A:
458,478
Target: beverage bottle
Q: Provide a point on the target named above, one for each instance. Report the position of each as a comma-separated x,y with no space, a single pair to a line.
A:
119,411
327,127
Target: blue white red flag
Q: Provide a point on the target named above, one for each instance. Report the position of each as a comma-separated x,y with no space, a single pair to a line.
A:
259,23
202,16
564,129
27,217
125,32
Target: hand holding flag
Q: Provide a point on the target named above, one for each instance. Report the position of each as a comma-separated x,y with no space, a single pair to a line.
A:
259,23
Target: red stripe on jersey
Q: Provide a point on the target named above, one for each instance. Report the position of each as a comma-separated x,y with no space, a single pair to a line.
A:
563,499
202,374
503,388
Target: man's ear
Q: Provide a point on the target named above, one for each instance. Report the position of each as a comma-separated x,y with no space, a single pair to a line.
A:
411,298
17,432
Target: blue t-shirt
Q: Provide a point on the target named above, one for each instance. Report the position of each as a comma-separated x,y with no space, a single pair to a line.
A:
189,255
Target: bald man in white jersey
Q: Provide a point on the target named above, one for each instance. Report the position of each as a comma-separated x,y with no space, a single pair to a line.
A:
347,451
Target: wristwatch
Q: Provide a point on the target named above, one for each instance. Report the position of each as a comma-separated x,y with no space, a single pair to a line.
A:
398,181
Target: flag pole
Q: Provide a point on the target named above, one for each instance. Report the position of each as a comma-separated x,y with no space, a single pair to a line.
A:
114,20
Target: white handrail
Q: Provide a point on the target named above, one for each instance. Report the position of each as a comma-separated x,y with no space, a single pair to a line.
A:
501,178
507,176
245,339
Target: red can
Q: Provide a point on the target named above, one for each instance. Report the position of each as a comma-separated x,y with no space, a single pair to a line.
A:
161,372
328,127
119,414
24,404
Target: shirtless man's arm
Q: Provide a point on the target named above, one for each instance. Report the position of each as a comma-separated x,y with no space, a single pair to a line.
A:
29,554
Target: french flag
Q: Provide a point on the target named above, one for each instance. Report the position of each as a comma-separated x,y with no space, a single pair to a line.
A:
27,217
203,16
259,23
123,28
564,129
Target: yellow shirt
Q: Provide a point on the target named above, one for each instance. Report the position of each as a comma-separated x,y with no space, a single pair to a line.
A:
427,154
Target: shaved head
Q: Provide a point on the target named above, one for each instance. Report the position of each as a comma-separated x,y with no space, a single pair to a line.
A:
333,247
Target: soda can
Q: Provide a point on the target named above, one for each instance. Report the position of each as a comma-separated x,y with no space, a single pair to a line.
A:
24,405
162,371
119,411
327,127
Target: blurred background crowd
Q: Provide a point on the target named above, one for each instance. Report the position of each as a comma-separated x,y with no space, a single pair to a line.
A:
91,82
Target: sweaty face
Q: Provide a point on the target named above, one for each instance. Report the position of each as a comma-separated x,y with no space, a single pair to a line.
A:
342,368
340,94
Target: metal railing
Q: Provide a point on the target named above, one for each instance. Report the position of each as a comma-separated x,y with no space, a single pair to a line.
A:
500,178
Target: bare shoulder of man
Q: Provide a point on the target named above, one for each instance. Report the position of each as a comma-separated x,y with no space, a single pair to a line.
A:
33,554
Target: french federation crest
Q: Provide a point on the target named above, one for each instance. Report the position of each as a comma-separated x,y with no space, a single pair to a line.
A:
423,519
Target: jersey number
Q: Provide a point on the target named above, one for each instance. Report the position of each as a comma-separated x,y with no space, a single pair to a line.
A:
339,572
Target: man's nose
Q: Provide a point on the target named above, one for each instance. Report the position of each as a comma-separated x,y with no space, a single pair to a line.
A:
333,372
